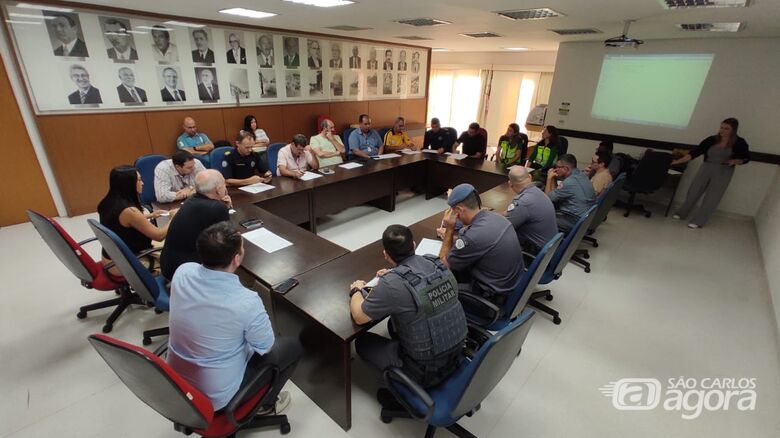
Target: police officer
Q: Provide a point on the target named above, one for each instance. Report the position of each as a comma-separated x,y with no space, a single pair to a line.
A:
531,212
485,255
427,324
246,167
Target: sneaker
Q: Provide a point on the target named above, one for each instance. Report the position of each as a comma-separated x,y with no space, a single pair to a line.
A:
676,216
693,226
282,402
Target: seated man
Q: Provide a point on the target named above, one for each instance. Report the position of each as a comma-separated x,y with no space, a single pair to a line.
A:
174,179
396,138
209,206
601,177
365,142
427,323
194,142
474,144
485,255
246,166
296,158
437,138
221,335
327,146
574,196
531,212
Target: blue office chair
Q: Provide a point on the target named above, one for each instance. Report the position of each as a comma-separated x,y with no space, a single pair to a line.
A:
463,391
559,261
150,288
218,162
488,315
345,139
273,155
604,203
145,165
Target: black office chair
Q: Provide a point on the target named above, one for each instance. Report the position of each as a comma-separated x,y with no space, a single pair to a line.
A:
563,145
648,177
605,203
453,135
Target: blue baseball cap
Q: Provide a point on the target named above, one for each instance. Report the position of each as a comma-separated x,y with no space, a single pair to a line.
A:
459,193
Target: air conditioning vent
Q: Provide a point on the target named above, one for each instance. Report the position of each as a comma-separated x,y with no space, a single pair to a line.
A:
481,35
682,4
420,22
575,31
711,27
348,28
414,38
530,14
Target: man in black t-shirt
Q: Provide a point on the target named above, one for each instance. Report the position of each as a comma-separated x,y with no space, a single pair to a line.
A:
437,138
246,166
474,144
208,206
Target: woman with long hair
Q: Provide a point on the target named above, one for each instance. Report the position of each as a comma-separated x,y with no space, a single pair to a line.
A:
260,137
544,154
722,153
512,146
120,211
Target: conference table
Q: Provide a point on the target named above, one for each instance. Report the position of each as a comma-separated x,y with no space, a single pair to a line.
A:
317,310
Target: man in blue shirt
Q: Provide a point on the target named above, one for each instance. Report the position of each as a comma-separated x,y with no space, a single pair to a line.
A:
572,194
194,142
365,142
220,333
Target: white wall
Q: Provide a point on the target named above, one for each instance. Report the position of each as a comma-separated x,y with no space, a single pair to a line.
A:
742,83
768,228
509,61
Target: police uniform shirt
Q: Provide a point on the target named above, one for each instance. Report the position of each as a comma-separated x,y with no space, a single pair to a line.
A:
244,166
532,214
575,196
437,140
391,297
488,249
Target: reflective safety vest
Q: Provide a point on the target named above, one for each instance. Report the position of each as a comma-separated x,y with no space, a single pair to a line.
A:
432,344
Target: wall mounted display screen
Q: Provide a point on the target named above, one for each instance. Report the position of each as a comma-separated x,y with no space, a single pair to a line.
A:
86,61
657,90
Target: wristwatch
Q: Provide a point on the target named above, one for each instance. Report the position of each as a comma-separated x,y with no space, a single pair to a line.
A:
353,291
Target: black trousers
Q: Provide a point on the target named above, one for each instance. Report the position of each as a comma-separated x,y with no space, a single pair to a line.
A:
285,355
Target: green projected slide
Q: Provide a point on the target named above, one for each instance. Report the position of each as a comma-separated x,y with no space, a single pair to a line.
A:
659,90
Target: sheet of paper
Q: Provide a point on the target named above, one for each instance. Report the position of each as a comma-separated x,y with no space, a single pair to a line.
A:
428,246
430,151
266,240
350,165
310,175
456,156
231,211
410,152
256,188
385,156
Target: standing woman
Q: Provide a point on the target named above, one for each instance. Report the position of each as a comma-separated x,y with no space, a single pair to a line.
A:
120,211
512,146
722,152
250,125
544,154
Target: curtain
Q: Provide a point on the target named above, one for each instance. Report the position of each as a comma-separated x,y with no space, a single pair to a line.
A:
454,97
486,76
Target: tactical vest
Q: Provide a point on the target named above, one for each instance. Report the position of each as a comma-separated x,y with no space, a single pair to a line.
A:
431,344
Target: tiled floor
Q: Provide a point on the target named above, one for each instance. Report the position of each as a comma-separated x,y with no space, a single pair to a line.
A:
662,301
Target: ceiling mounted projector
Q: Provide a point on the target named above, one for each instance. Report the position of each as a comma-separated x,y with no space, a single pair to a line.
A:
623,40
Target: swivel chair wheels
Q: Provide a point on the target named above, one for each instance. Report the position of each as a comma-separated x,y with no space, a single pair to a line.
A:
107,328
82,314
147,341
556,320
385,419
284,428
587,270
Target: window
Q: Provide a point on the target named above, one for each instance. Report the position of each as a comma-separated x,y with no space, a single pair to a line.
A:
454,97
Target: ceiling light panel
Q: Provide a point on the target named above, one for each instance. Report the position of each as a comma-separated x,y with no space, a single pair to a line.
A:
249,13
531,14
322,3
419,22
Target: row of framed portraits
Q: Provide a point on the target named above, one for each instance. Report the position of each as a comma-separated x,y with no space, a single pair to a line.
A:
86,61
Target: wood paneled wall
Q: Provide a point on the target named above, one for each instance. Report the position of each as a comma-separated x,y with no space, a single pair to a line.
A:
83,148
22,184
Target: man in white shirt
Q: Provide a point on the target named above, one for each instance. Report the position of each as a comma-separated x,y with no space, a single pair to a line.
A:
236,54
174,179
128,92
265,52
296,158
164,50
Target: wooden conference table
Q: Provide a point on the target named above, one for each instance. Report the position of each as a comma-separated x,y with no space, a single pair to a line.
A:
317,310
